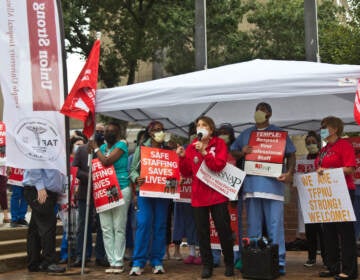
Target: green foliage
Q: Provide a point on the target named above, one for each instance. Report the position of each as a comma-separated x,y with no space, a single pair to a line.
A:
163,31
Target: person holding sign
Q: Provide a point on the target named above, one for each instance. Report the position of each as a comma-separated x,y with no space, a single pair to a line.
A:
113,221
264,195
339,237
313,231
213,151
152,212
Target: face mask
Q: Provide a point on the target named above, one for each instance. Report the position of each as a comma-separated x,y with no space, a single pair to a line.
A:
75,148
203,132
324,133
110,138
225,137
99,138
260,116
312,148
159,137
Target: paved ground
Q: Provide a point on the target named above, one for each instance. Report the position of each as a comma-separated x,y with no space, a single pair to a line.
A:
175,270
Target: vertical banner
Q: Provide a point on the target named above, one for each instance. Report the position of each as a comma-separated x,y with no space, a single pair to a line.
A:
106,189
267,155
32,83
355,142
160,168
2,149
324,198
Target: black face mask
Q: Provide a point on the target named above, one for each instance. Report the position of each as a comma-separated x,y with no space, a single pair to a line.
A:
99,138
110,138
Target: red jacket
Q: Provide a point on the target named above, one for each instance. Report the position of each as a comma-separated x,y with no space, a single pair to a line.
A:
217,153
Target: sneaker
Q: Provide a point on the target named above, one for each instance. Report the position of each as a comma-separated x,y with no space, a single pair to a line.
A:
118,269
135,271
189,260
14,224
178,257
282,271
158,269
310,263
197,260
22,222
238,264
109,270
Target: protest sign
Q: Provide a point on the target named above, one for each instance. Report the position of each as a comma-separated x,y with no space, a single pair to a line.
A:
324,198
16,176
214,238
106,189
227,182
185,190
160,168
268,149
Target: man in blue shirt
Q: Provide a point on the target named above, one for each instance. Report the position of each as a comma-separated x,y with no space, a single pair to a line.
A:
264,196
41,188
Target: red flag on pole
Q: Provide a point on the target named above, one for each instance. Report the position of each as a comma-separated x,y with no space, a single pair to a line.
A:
80,103
357,104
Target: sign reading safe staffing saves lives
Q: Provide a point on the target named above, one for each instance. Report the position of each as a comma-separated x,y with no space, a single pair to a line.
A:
268,152
106,189
160,168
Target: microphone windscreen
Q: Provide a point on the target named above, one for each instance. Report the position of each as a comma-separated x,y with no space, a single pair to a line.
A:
199,136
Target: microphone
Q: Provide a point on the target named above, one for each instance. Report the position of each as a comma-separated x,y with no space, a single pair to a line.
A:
199,136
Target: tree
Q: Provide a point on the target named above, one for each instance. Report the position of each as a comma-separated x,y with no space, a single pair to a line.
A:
140,29
278,31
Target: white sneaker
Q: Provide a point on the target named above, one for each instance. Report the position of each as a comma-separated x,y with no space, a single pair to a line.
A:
136,271
109,270
158,269
118,269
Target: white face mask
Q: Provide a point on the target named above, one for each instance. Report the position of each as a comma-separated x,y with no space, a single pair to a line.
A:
260,116
312,148
159,137
204,132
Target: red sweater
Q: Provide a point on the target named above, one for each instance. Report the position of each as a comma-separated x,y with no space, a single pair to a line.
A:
217,153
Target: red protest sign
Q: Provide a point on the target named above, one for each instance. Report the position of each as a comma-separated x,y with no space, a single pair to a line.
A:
185,190
106,189
160,168
214,238
268,149
16,176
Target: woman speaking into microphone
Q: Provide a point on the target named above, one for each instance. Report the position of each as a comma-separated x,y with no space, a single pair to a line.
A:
213,151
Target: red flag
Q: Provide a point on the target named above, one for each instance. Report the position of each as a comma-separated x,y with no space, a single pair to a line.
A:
80,103
357,104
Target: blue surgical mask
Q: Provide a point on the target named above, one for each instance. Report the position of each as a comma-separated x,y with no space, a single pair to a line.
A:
324,133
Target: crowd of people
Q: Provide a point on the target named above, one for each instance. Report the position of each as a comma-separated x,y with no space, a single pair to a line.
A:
139,228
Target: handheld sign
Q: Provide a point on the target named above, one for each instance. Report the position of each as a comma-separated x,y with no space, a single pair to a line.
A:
185,190
268,153
227,182
324,198
106,189
160,168
214,237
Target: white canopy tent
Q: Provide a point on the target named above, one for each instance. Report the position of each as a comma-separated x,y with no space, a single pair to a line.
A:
300,93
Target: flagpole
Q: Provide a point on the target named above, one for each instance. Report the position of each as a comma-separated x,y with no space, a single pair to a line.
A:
89,188
67,135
